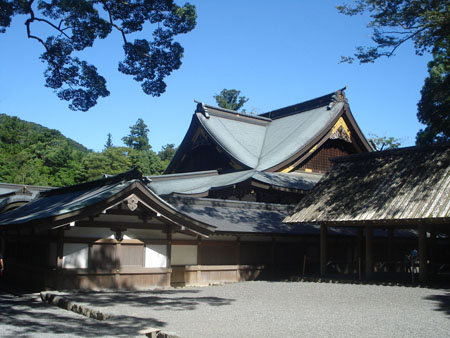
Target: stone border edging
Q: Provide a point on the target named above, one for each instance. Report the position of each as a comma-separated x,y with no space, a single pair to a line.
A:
87,311
65,304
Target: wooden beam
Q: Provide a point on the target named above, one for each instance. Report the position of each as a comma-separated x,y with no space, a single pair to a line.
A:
129,225
323,249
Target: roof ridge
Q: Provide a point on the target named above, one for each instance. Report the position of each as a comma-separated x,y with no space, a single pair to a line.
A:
203,108
301,107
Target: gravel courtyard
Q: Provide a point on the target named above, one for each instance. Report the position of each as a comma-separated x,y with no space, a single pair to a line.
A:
278,309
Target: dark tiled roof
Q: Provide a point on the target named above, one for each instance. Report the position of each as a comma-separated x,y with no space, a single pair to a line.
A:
236,217
390,187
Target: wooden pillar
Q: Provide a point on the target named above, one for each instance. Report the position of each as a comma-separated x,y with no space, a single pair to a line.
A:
3,242
323,249
117,265
199,259
272,257
389,249
432,245
169,246
169,255
60,249
359,250
369,252
423,266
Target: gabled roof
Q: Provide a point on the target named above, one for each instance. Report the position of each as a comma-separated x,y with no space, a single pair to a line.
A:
199,183
51,209
402,186
273,139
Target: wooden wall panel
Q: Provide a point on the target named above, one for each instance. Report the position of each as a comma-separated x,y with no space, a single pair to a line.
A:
132,255
218,254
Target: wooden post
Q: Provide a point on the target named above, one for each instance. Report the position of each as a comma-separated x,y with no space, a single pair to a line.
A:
169,254
359,268
169,246
389,251
359,249
369,252
2,250
238,250
117,265
423,265
60,249
199,259
272,258
323,249
304,265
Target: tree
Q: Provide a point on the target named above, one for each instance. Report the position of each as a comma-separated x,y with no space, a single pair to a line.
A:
383,142
78,23
167,152
138,138
427,24
230,99
434,105
109,143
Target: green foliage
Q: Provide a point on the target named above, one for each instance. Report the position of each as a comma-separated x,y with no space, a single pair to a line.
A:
35,155
32,154
109,142
166,154
434,106
383,142
138,138
425,22
77,24
230,99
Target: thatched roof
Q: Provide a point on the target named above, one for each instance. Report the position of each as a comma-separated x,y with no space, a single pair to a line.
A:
402,186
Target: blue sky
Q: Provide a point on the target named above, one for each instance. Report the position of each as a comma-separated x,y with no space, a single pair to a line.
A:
277,53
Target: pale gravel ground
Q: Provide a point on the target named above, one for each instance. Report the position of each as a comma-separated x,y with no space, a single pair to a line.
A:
250,309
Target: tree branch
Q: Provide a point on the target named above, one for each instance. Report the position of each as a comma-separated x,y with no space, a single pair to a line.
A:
111,21
28,23
54,26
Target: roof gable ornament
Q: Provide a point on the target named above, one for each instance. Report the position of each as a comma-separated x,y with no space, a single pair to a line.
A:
339,96
132,202
341,131
202,109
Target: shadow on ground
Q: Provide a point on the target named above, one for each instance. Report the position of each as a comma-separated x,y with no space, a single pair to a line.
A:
443,302
28,316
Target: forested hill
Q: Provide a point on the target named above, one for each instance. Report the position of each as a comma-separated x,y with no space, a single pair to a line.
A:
35,155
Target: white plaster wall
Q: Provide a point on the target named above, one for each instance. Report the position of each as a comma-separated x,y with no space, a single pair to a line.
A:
155,256
75,256
184,255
